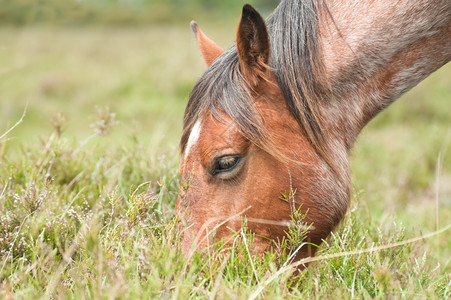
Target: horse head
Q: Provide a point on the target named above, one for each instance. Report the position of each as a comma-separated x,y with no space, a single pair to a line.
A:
244,155
269,126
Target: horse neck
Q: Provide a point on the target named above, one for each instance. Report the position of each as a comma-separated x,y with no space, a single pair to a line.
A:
374,51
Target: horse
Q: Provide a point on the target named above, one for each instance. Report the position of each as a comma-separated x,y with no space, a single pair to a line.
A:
279,112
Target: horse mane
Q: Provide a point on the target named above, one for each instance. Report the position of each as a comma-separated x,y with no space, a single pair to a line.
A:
296,59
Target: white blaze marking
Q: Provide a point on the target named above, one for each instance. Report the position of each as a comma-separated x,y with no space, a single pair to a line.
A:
193,137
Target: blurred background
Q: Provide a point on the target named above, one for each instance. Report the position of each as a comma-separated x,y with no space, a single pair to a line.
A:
120,12
70,60
72,63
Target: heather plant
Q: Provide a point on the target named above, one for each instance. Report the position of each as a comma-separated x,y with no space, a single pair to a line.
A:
87,194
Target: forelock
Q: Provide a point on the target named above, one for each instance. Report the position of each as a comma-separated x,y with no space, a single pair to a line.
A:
223,90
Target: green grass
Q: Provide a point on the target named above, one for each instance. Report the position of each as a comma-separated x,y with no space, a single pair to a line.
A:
88,180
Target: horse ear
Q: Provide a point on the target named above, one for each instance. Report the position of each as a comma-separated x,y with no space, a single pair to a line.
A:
210,50
253,45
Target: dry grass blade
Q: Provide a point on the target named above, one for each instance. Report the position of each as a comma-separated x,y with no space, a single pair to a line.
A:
198,240
10,252
262,286
250,256
15,125
437,201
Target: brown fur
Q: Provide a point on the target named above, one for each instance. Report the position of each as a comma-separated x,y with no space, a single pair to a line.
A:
253,46
294,118
371,61
255,183
210,50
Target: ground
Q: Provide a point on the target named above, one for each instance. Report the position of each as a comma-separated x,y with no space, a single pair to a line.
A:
88,179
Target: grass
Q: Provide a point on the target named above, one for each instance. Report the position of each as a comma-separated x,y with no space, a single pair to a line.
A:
88,180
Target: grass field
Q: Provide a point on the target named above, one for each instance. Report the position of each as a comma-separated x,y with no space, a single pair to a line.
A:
88,180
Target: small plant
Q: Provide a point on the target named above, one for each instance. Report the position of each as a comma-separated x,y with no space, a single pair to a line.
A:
90,217
58,123
106,123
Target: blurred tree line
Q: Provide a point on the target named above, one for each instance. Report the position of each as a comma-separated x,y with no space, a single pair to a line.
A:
121,12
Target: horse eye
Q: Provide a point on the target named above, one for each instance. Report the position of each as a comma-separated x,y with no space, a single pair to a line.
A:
225,164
